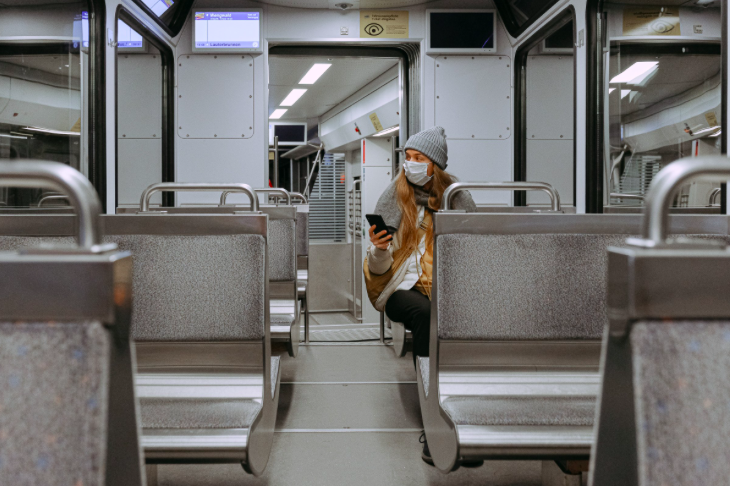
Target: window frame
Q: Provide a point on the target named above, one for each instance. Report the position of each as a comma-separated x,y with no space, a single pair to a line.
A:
511,24
520,101
179,16
167,58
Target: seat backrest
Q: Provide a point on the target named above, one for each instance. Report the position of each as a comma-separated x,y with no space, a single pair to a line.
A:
67,408
282,243
302,231
523,276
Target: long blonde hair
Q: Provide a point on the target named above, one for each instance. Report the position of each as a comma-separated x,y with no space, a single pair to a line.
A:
408,231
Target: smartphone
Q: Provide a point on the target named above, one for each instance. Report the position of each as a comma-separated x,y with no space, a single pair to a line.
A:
377,220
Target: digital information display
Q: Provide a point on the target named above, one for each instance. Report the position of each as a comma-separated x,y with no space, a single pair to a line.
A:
81,29
227,30
462,31
127,38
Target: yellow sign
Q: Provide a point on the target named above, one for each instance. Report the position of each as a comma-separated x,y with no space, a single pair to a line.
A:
651,21
711,119
383,23
376,122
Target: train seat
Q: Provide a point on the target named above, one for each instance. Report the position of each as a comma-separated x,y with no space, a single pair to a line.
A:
66,364
303,264
519,310
663,415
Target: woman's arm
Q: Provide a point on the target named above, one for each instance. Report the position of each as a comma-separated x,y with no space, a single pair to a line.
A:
380,256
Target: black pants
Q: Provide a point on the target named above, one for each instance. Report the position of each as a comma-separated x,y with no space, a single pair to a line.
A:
413,309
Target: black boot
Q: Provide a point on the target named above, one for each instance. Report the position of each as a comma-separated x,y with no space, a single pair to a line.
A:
426,454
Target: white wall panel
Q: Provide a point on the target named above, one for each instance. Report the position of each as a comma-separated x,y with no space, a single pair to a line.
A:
140,164
482,161
218,161
549,97
215,96
139,88
550,161
472,96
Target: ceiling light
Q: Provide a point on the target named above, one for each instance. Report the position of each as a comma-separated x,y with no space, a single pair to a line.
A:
7,135
636,71
387,131
293,97
52,132
278,113
624,93
314,73
611,90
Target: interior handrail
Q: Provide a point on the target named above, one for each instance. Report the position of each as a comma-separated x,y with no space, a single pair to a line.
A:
457,187
317,160
144,202
664,188
299,196
52,197
638,197
713,196
67,180
264,190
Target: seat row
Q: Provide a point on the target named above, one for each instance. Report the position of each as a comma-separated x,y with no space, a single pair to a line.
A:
172,307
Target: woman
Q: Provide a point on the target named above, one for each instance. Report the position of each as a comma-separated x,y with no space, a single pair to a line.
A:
407,204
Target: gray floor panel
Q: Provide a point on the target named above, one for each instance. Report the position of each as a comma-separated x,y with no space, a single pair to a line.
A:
367,406
346,363
353,459
332,318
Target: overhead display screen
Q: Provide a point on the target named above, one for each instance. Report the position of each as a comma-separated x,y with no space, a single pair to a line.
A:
128,38
461,31
231,30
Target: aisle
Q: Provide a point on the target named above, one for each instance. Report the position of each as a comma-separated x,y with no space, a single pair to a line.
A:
349,415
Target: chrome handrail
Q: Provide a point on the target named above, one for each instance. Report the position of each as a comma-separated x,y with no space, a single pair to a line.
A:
457,187
62,178
144,202
627,196
299,196
263,190
713,196
52,197
665,186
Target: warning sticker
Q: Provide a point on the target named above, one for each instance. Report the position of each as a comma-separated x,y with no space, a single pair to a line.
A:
376,122
383,23
651,21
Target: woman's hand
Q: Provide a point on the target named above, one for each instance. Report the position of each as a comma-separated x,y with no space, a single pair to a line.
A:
380,241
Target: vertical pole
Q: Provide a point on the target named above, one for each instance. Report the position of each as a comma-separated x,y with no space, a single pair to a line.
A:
276,161
382,327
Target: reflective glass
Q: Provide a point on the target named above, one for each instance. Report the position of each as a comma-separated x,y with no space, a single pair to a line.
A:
43,90
664,103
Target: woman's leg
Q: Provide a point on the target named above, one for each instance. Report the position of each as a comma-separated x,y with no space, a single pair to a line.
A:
413,309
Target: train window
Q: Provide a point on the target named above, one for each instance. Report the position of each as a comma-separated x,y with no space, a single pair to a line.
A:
144,145
170,14
44,79
518,15
664,103
545,108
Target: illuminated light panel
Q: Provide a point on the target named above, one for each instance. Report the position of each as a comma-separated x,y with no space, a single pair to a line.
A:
293,97
314,73
611,90
278,113
625,93
387,131
636,71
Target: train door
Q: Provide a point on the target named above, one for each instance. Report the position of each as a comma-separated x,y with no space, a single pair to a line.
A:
334,120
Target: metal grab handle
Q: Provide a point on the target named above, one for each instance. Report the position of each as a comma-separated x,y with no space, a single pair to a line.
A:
618,195
713,196
144,202
298,196
67,180
52,197
457,187
264,190
665,186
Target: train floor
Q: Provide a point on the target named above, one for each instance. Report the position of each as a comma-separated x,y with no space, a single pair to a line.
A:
349,415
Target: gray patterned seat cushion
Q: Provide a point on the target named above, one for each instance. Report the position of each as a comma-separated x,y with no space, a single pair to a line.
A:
500,287
302,233
282,250
521,410
54,387
682,401
164,413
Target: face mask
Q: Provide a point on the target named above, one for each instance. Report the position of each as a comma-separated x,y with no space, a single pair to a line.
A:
417,172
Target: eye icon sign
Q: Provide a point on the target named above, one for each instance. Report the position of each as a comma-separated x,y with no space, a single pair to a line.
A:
374,29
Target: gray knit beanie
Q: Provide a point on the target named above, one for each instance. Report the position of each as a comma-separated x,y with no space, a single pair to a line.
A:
432,144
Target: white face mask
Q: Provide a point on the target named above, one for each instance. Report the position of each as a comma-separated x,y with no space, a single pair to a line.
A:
417,172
